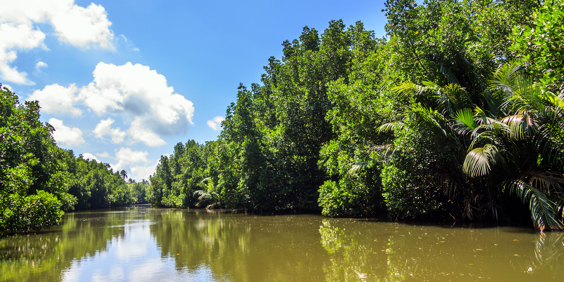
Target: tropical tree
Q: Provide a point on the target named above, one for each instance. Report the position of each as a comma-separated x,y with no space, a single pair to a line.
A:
33,184
513,140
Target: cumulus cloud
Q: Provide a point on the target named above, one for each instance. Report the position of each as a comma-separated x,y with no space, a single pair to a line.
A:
127,156
83,27
139,133
136,91
105,128
88,156
143,172
64,134
140,92
215,123
57,99
75,25
16,36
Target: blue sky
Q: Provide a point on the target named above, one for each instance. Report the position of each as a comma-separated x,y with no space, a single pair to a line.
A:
124,81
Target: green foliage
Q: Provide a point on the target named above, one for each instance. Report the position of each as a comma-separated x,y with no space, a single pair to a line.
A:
33,188
38,180
412,177
419,124
32,212
541,44
179,176
96,185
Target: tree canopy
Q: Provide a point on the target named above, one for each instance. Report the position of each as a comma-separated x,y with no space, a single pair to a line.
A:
455,114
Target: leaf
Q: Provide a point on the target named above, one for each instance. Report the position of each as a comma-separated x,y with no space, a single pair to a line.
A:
478,161
391,126
521,125
466,117
356,167
542,209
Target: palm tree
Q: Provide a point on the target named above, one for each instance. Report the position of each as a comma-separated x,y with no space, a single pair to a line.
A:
513,138
511,142
207,195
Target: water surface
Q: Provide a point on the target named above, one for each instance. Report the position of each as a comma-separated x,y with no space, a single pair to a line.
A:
145,244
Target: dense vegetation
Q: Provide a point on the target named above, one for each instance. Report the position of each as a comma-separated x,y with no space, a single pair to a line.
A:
39,181
456,112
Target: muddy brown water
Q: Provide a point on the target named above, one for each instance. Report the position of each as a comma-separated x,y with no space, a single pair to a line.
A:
146,244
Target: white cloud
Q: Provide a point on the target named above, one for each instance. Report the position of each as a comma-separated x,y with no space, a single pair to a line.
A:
104,128
127,156
215,123
141,92
57,99
103,155
136,89
133,90
40,65
139,133
78,26
64,134
144,172
88,156
16,36
84,27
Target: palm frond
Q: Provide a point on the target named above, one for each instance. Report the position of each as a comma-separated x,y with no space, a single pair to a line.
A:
431,117
504,76
407,89
521,125
548,147
543,210
489,128
465,117
553,100
356,167
391,127
478,162
546,181
386,149
450,77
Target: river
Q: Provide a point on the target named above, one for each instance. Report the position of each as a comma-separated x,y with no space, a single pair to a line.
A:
146,244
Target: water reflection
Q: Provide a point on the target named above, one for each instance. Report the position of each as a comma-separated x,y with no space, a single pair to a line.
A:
240,247
140,244
367,251
44,256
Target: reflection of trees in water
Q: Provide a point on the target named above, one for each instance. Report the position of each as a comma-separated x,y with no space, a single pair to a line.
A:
287,248
400,252
45,256
355,256
194,239
548,252
239,247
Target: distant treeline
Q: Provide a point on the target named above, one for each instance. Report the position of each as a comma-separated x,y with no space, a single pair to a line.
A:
456,113
39,181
